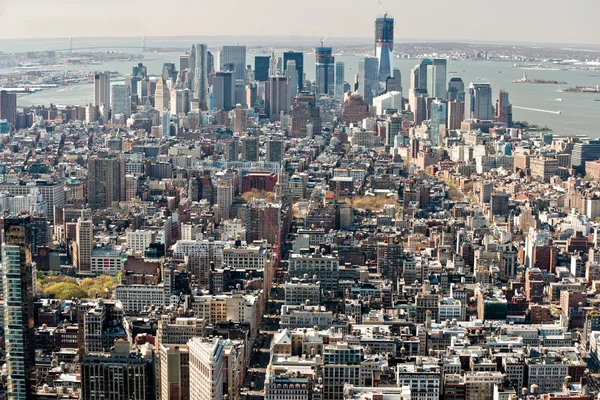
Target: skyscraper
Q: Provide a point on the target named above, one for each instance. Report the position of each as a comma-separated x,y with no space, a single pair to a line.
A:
8,107
224,198
169,72
456,89
292,74
503,111
261,68
223,91
277,97
200,82
84,241
339,78
305,111
206,368
436,79
106,182
384,46
480,106
438,121
275,150
18,272
325,66
139,71
102,88
121,100
298,57
368,84
161,96
456,114
235,55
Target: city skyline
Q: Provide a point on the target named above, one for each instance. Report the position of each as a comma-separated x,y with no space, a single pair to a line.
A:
531,17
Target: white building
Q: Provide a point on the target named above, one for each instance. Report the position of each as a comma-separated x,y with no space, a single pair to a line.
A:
138,240
387,101
299,291
135,297
424,380
106,261
305,317
206,368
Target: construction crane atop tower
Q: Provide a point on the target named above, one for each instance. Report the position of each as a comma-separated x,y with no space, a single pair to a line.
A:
385,13
324,39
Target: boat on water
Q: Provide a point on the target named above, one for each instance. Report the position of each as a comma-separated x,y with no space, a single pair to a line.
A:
559,99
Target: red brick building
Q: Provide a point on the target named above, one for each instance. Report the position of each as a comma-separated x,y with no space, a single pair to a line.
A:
259,181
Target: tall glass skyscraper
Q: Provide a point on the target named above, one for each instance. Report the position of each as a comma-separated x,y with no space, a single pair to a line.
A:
200,82
298,57
384,46
261,68
18,272
436,79
368,84
438,120
325,69
235,55
480,106
339,78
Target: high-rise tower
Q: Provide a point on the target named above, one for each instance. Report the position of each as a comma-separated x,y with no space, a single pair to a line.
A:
325,66
480,106
384,46
235,55
102,89
200,83
298,57
18,272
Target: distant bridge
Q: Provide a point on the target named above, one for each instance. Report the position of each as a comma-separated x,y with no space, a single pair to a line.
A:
74,44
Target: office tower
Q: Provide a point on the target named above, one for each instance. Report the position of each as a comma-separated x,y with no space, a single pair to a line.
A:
261,68
184,62
139,71
273,66
120,374
206,368
304,112
161,96
250,149
339,78
298,57
480,106
180,101
436,79
18,274
232,149
235,55
393,128
394,83
200,83
456,89
503,109
583,152
439,114
174,374
368,84
223,91
292,74
389,259
384,47
275,150
121,100
341,365
169,72
456,114
8,107
419,106
106,182
224,199
102,88
241,119
84,242
277,97
325,65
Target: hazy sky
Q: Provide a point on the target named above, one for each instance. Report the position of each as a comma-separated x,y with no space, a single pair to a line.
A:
571,21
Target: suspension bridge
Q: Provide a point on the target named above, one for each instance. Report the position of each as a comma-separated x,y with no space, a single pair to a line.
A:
74,44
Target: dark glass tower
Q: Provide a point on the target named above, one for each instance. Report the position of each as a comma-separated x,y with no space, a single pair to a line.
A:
299,58
325,67
384,46
261,68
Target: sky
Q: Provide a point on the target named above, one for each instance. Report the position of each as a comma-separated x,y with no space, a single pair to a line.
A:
504,21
